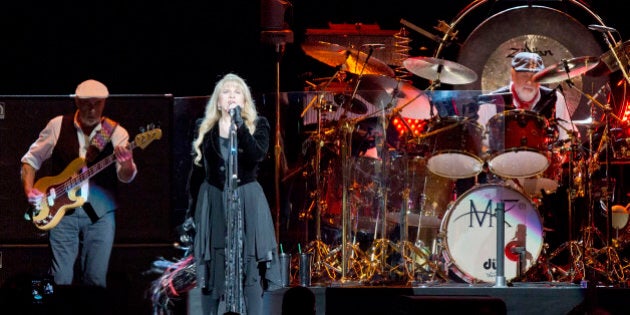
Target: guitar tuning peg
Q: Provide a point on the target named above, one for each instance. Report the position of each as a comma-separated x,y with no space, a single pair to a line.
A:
151,126
142,129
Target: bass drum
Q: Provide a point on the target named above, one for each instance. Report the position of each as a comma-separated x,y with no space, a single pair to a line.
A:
470,233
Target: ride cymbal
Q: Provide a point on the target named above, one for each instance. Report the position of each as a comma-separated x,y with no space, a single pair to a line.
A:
439,69
566,69
348,59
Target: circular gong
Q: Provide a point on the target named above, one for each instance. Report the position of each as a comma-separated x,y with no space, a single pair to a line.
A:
553,34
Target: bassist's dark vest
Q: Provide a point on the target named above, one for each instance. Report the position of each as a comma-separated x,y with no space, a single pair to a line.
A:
103,186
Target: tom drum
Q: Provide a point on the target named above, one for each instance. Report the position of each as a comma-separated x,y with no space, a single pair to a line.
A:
518,141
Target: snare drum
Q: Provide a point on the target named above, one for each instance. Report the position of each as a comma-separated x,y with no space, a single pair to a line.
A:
454,144
518,141
471,236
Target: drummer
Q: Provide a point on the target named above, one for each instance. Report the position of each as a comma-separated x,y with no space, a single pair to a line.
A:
523,92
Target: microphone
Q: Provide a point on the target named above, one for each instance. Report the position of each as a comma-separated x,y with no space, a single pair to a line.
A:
235,111
601,28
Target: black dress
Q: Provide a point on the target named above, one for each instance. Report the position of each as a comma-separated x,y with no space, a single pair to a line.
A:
259,242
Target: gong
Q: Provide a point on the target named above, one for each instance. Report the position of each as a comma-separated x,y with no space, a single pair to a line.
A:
553,34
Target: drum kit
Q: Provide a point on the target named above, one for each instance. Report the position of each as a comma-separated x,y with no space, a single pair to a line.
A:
387,165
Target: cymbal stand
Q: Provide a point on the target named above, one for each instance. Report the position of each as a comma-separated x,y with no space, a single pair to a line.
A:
414,254
611,257
429,258
317,247
384,201
608,251
346,152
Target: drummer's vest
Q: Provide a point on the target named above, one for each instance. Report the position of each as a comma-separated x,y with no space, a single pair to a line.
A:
545,106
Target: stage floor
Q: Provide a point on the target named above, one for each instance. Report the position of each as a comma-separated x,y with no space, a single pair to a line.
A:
459,298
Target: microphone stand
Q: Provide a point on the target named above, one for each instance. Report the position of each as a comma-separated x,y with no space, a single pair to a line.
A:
279,38
234,295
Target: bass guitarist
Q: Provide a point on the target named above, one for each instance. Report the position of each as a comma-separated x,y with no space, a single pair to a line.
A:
85,229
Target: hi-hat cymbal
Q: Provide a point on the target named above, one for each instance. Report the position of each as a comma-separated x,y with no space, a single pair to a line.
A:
349,59
353,105
566,69
445,71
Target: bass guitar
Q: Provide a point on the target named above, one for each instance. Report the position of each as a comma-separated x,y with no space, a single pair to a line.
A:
60,190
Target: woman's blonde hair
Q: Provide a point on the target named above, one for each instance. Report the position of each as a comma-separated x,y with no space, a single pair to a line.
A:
213,112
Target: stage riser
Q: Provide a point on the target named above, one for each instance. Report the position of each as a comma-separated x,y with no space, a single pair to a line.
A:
447,300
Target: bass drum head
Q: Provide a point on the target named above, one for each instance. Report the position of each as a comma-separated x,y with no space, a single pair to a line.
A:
553,34
470,233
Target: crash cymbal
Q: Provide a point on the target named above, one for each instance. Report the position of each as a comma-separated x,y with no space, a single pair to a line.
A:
446,71
609,61
566,69
348,59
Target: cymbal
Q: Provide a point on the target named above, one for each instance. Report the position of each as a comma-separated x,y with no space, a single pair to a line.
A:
611,64
355,105
342,92
348,59
446,71
380,90
379,82
558,72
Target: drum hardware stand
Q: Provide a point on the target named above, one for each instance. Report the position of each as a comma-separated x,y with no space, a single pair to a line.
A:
419,249
317,247
574,248
613,269
587,243
348,250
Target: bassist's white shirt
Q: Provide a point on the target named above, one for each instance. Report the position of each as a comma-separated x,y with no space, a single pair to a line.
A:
41,150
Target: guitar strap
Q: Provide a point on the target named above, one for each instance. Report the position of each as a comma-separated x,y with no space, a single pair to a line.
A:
101,138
